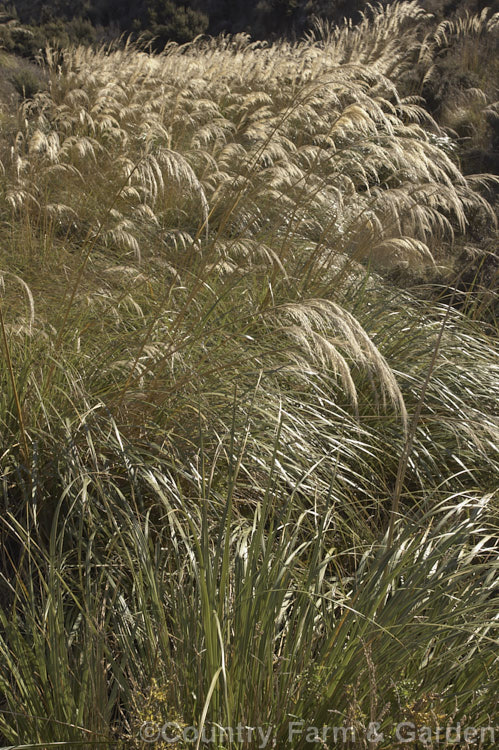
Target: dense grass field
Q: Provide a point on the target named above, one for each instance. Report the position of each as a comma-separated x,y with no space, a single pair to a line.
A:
248,409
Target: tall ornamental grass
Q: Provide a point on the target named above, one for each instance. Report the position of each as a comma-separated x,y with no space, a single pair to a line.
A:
245,478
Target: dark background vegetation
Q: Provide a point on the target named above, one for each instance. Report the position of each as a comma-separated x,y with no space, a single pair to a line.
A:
181,20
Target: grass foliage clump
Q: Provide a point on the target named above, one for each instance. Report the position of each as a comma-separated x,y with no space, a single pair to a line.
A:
246,479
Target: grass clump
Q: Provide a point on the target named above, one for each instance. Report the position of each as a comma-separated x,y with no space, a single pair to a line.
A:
246,479
25,83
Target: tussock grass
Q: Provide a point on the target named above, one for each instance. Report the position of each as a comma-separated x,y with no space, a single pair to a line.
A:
239,465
